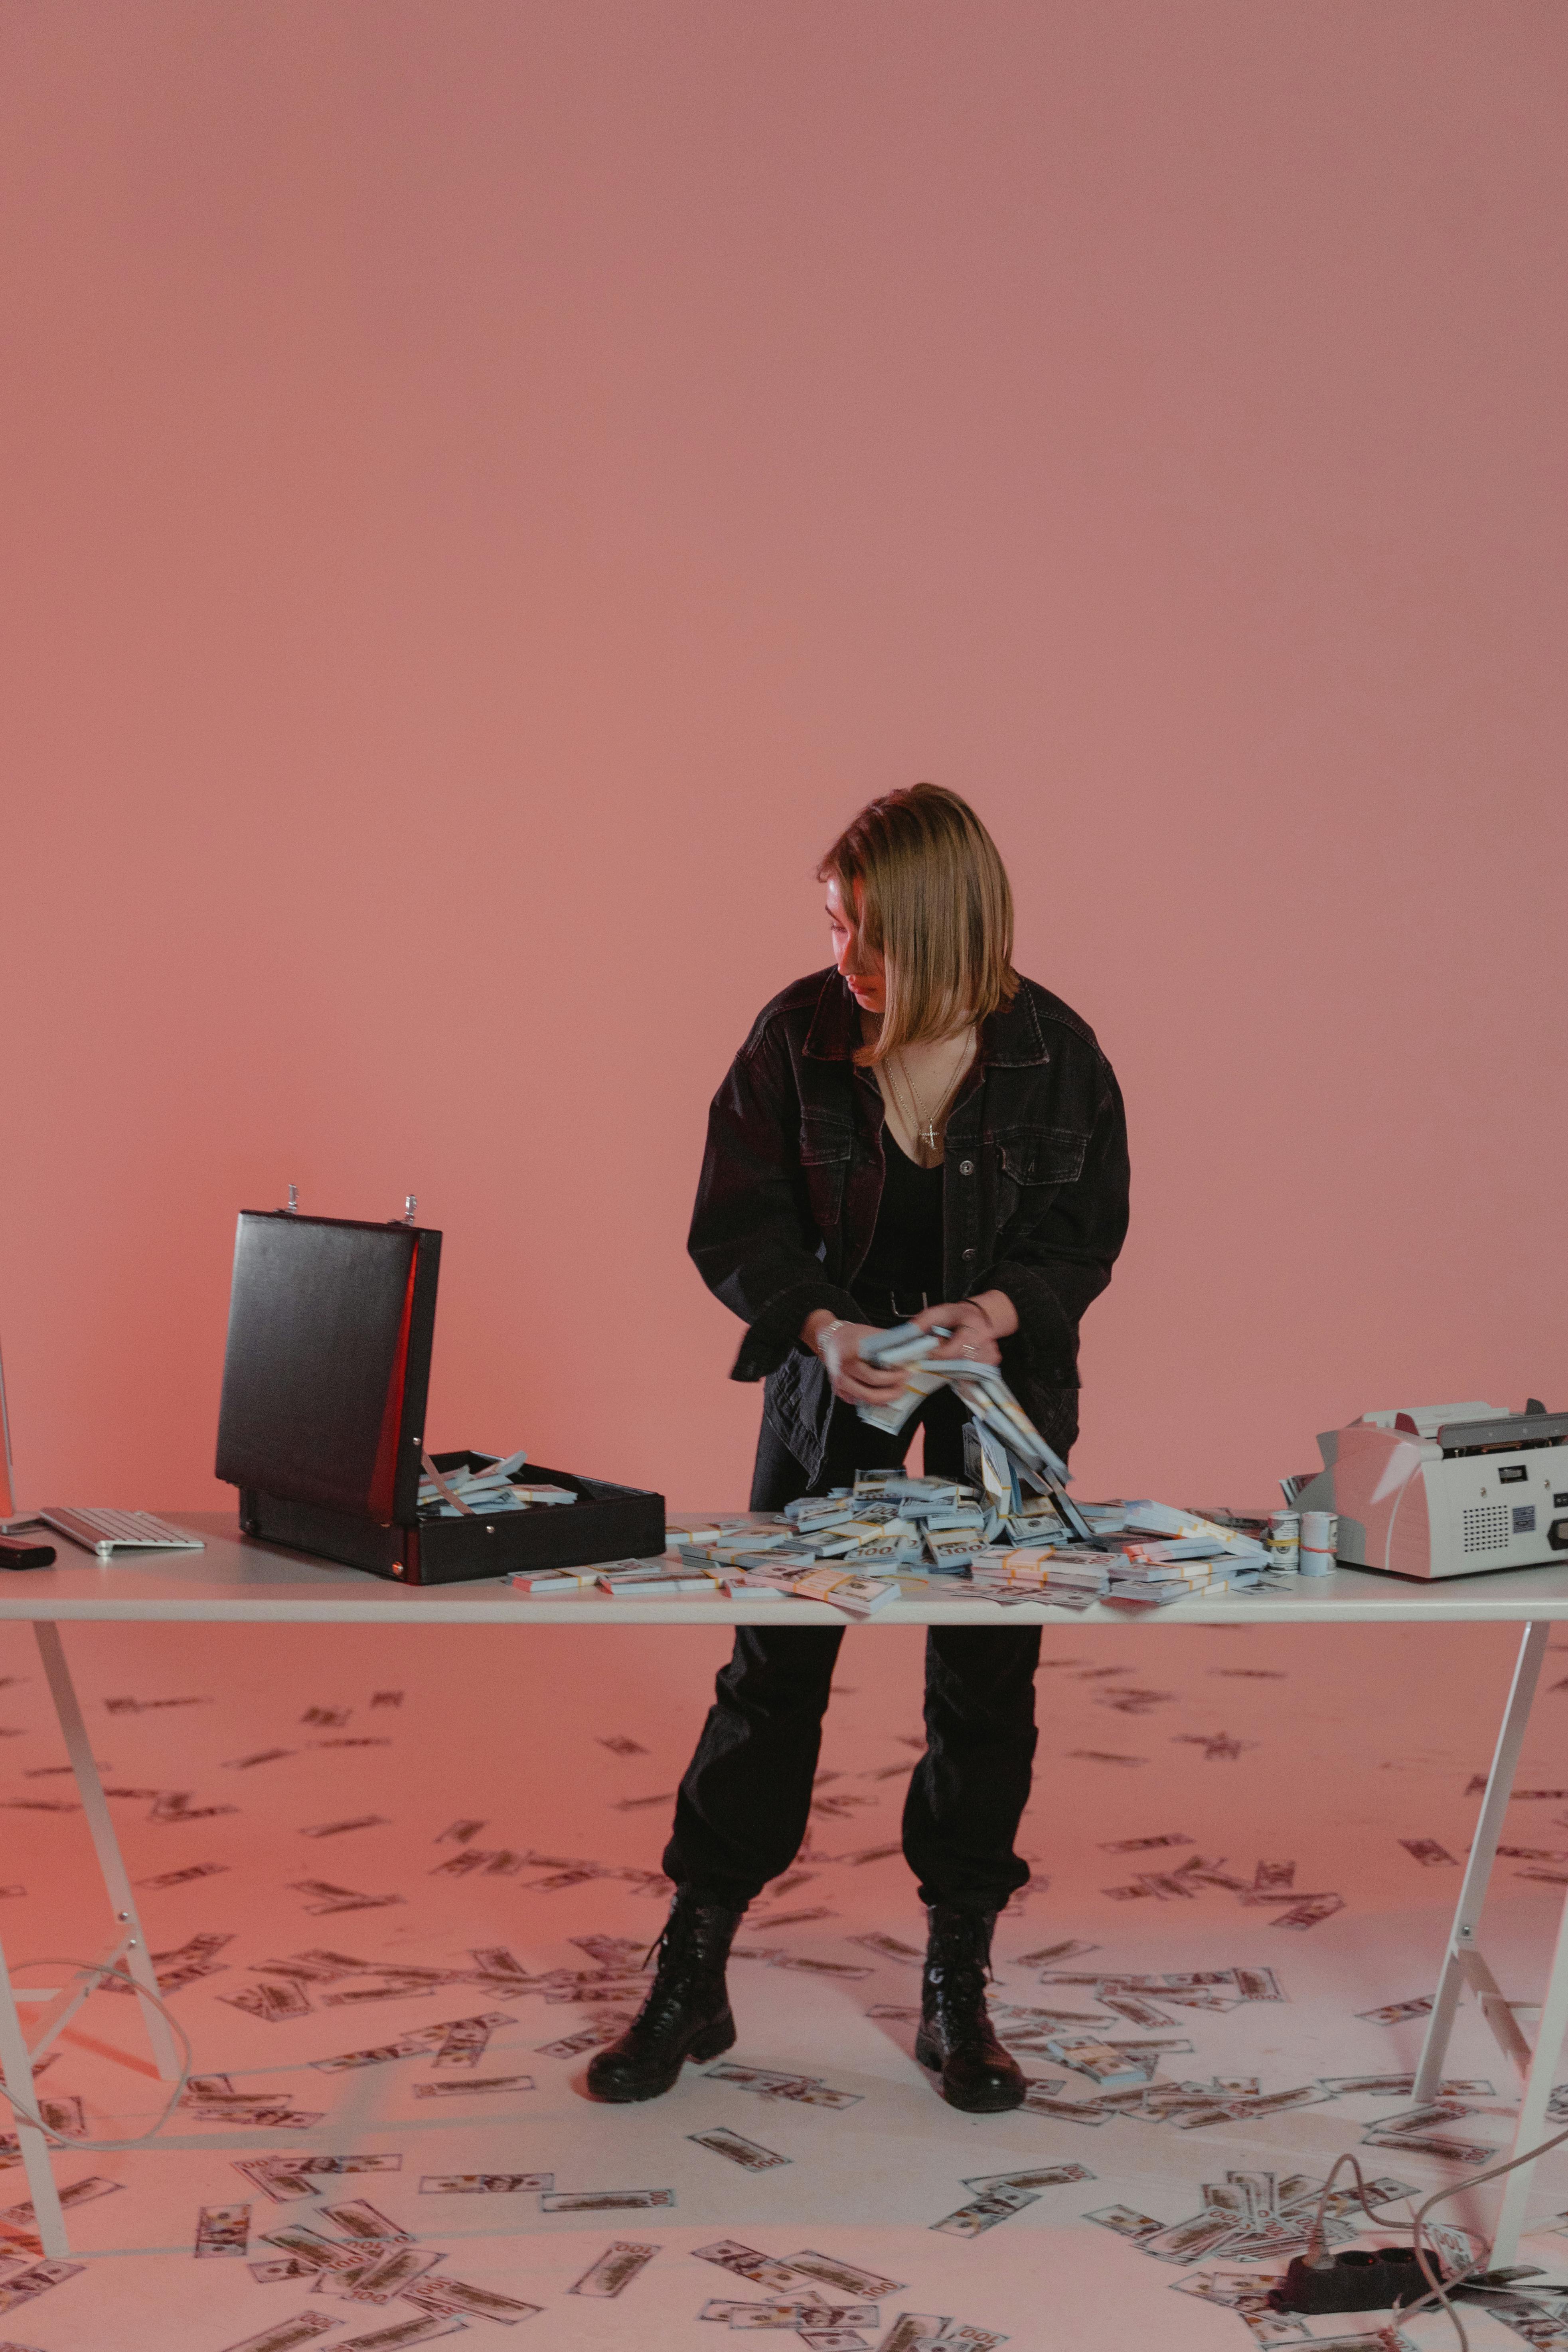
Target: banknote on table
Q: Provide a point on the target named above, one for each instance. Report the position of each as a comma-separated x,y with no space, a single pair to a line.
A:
483,2184
1127,2222
911,2328
1042,2099
1232,2290
891,1948
286,2179
721,2309
820,2339
739,2150
1394,2012
223,2230
456,2299
1428,1850
166,1879
287,2334
1435,2114
401,2335
833,2271
983,2213
35,2280
479,2082
273,2003
408,2046
786,2312
1472,2153
175,1805
614,2272
1310,1912
255,2109
1030,2176
360,2219
316,1966
498,1960
746,2263
606,2200
323,2254
360,1996
589,2037
278,2179
755,2078
815,2094
1189,2240
847,1969
80,2192
392,2273
327,1898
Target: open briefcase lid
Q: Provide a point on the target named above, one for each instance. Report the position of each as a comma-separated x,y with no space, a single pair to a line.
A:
327,1367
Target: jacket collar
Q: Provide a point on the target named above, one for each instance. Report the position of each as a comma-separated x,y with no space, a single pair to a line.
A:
1010,1039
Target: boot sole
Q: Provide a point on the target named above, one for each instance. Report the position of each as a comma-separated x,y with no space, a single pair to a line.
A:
711,2042
984,2103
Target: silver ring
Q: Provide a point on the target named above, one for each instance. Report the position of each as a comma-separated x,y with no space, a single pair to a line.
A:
966,1350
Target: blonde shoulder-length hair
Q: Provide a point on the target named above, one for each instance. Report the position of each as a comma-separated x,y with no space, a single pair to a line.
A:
927,890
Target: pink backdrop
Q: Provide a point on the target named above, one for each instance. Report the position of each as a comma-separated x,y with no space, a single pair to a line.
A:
490,489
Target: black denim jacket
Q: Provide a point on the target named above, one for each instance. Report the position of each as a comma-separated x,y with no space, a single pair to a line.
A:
1034,1193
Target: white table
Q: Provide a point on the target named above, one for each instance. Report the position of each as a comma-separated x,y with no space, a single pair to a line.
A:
237,1581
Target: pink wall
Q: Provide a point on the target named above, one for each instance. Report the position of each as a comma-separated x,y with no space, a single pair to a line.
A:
491,488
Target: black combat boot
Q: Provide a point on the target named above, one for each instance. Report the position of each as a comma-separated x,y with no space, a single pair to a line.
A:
687,2013
955,2033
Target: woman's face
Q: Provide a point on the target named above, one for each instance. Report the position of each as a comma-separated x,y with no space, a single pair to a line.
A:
866,972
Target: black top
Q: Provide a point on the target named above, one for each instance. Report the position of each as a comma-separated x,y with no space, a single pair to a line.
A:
795,1170
905,1255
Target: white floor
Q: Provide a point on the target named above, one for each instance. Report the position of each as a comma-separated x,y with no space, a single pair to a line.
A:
1316,1748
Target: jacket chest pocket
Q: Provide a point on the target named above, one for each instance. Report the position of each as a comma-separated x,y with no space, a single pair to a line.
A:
824,1153
1032,1164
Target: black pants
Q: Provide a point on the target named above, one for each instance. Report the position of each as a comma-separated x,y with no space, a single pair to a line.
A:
743,1805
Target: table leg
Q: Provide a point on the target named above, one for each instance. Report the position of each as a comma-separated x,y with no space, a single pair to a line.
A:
1532,2106
1483,1853
78,1747
18,2068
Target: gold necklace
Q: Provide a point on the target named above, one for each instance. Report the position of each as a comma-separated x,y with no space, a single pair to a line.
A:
928,1134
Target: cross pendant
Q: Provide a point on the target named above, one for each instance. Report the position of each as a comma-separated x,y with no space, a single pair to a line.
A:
931,1135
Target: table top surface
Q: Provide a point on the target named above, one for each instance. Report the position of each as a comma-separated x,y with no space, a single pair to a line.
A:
256,1583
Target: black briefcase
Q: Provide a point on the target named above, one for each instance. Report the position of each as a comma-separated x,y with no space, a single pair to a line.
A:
321,1422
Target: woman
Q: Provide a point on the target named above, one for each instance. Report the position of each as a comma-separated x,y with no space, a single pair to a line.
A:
916,1134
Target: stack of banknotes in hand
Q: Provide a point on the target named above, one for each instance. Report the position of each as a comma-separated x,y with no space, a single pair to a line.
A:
455,1494
993,1409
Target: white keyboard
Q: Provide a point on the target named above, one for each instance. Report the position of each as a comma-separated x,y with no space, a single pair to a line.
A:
106,1532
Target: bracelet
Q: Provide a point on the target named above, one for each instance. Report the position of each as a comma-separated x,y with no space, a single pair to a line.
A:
827,1334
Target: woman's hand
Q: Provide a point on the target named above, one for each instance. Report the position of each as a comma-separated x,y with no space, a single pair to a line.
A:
976,1325
839,1345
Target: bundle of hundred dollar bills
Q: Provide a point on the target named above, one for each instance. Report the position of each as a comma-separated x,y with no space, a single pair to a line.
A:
498,1485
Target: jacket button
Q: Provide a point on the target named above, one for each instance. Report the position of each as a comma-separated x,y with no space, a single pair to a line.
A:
967,1256
966,1167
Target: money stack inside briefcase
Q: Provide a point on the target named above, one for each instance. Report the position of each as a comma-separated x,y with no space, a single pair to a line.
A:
322,1424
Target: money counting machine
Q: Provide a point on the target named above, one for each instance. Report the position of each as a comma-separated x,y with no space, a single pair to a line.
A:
321,1425
1446,1490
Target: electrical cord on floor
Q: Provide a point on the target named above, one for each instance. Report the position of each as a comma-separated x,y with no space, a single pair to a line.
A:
1440,2291
105,1968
